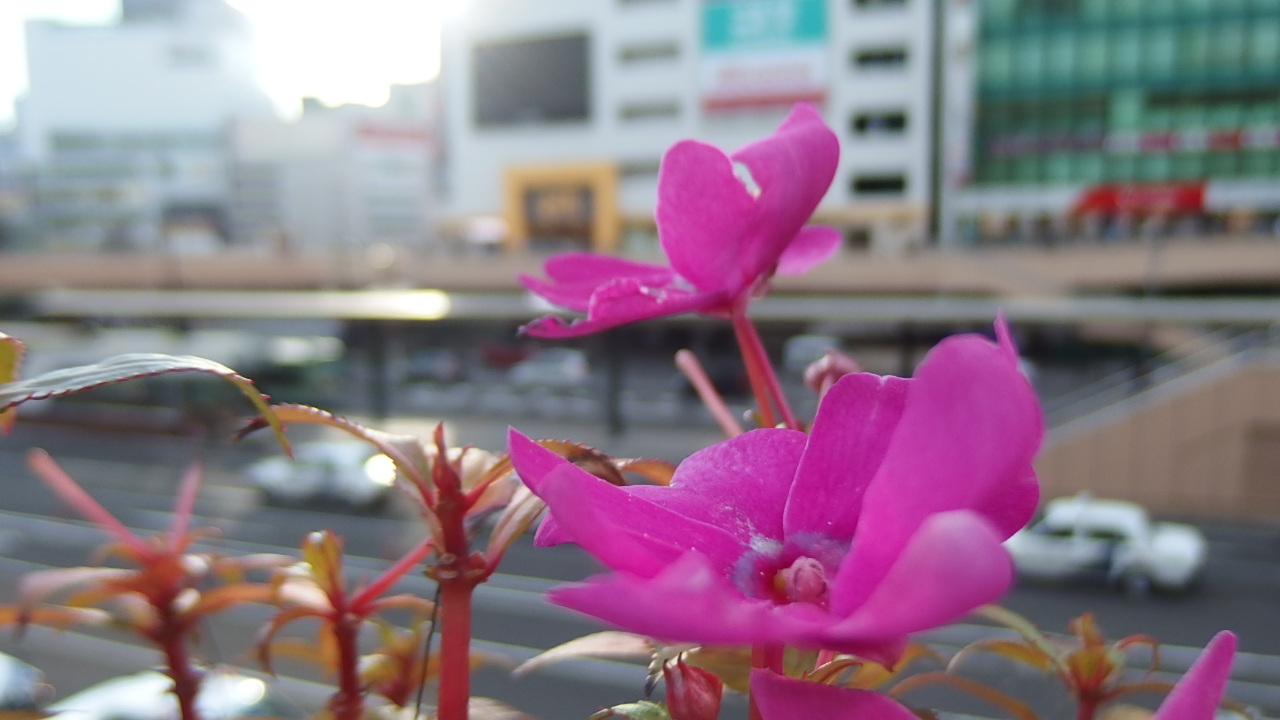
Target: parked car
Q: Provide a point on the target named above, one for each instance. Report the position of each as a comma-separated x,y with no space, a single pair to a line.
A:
1112,541
224,695
438,365
348,471
552,367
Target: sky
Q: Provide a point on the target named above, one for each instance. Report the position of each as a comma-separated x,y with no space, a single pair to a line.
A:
336,50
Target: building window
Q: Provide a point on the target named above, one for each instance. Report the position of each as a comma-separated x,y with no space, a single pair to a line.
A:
878,184
644,52
634,169
877,4
649,110
880,58
893,122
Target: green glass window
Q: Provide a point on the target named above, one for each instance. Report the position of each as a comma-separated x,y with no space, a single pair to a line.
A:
1155,167
1161,52
1092,56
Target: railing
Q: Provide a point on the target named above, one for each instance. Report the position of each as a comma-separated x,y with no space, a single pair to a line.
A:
1226,346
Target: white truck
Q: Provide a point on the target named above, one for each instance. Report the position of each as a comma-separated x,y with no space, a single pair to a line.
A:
1112,541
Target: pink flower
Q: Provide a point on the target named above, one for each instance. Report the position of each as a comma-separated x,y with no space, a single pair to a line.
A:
885,520
1197,694
783,698
726,223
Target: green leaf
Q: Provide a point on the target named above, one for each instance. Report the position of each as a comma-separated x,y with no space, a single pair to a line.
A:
131,367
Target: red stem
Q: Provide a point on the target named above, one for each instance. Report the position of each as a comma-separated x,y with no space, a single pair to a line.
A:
172,637
1086,709
348,702
764,383
455,644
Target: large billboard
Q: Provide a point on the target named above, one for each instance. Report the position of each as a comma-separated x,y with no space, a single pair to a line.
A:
531,81
761,53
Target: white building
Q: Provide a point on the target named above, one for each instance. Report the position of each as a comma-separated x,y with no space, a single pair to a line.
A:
558,113
339,179
123,125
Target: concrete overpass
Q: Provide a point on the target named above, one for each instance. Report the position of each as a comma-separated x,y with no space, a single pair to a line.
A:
1174,264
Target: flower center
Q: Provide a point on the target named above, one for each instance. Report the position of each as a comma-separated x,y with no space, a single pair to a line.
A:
804,580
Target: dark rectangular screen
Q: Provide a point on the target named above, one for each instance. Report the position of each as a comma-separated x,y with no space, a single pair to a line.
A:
531,81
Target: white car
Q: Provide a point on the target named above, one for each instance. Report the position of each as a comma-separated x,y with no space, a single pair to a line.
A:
348,471
1112,541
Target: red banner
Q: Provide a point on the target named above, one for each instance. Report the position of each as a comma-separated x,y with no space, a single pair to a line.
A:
1144,199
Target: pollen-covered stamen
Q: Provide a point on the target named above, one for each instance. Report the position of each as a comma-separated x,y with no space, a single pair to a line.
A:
804,580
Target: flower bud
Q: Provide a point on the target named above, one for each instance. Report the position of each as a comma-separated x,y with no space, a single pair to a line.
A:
824,372
692,693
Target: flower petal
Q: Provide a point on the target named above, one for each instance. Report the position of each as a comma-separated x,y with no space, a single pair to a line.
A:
716,234
573,277
783,698
968,433
855,422
755,469
954,563
1197,694
794,168
703,212
626,300
689,601
812,246
622,530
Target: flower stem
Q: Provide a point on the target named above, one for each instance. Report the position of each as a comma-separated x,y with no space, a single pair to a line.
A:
766,657
764,382
688,364
455,645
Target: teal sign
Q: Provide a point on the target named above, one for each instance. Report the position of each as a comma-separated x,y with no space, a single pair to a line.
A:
737,25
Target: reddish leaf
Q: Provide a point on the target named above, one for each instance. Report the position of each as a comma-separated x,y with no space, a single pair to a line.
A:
516,519
1012,706
58,617
225,596
36,586
132,367
70,491
610,644
404,450
1011,649
658,472
267,636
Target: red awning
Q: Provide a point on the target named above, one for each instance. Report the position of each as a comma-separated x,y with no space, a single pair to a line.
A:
1142,199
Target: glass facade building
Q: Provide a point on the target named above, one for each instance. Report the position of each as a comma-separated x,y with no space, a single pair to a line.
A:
1081,92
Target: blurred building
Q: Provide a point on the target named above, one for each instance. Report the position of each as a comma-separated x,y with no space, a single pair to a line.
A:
558,113
1120,117
341,179
122,131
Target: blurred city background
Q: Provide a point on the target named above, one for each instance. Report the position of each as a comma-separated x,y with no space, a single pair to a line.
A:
336,199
